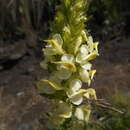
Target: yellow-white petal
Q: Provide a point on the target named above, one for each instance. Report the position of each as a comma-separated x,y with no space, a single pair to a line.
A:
64,110
84,49
83,113
89,82
56,46
49,51
81,57
79,113
90,40
77,99
86,66
87,112
90,93
96,46
67,58
92,73
72,94
56,86
67,65
84,75
48,87
45,88
55,121
92,56
87,95
90,44
63,74
58,38
54,77
75,85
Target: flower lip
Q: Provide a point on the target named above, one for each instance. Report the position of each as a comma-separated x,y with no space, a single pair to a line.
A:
67,58
75,85
86,66
84,49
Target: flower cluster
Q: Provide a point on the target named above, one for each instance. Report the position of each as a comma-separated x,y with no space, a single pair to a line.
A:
68,54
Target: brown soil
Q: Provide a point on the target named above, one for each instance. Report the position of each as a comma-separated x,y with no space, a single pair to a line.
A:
20,104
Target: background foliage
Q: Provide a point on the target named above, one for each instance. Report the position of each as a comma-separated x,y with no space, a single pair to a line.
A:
108,13
17,17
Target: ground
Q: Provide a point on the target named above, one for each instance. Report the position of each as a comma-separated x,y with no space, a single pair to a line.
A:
20,104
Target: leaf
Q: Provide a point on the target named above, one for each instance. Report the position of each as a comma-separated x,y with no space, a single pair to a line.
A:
67,65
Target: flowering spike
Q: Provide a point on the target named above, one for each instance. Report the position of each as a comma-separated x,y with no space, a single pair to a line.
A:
69,51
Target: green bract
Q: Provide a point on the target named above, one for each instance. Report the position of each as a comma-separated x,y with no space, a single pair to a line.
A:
68,53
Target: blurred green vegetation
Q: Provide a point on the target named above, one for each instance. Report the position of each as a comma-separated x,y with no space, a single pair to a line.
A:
104,119
108,13
20,17
111,120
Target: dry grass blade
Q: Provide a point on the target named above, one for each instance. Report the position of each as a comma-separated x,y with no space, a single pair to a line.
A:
105,105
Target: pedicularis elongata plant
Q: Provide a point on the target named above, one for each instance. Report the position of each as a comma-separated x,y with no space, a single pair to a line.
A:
68,53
